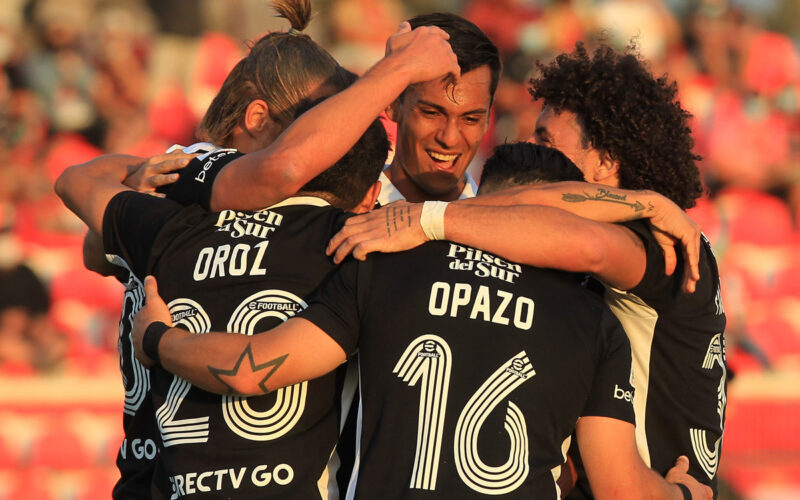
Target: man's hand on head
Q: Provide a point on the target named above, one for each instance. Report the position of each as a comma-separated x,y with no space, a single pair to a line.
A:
158,171
425,52
154,309
393,228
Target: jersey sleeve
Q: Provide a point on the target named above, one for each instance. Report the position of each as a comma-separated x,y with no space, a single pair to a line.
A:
612,388
197,178
656,287
336,306
131,223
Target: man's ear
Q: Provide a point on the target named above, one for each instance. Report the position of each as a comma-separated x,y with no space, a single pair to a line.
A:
256,117
368,203
607,172
395,110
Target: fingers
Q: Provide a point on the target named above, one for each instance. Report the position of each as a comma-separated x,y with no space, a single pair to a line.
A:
689,281
670,259
169,162
349,229
691,254
150,288
404,27
357,244
159,180
681,464
343,250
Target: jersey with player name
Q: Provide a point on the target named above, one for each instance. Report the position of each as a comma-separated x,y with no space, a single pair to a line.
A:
679,364
244,272
473,370
137,453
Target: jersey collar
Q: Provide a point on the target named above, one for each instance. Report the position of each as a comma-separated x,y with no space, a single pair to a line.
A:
301,200
389,193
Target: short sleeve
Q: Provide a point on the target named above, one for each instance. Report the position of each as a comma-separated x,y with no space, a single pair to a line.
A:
334,307
131,223
612,388
656,287
197,178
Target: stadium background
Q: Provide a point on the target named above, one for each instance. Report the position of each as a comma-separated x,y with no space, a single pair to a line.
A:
84,77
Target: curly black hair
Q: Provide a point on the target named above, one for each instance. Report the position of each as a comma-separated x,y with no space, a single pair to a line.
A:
629,115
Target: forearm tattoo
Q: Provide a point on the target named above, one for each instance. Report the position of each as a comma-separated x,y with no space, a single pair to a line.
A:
269,367
397,217
607,196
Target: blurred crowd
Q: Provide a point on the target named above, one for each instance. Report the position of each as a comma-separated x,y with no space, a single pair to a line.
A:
84,77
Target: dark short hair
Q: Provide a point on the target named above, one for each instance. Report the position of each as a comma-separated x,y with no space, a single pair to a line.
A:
282,68
626,113
523,163
471,46
345,183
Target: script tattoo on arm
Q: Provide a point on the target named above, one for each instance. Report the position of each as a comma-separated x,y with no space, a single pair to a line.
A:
604,195
251,367
396,217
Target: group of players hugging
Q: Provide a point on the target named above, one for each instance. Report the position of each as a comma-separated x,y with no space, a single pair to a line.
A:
562,338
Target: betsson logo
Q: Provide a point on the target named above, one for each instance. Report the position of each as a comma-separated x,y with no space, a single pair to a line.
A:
621,394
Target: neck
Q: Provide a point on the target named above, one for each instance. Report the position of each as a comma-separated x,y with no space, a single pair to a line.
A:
412,192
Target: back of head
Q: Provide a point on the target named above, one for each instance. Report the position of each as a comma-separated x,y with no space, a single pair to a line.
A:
627,114
345,183
471,46
523,163
282,68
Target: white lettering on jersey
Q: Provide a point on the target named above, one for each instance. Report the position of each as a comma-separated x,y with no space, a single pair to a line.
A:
214,262
140,385
443,302
143,449
212,157
427,363
709,458
482,264
620,393
225,479
475,473
290,402
258,224
174,429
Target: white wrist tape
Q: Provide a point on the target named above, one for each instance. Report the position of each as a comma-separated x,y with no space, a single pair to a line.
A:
432,219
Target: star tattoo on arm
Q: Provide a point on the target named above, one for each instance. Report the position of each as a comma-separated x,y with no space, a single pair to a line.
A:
249,368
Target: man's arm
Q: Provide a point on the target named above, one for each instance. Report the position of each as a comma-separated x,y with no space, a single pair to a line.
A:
322,135
94,256
86,189
616,471
379,231
534,235
609,204
230,363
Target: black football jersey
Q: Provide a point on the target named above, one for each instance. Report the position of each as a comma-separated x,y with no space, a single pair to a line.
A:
679,366
241,272
136,456
473,370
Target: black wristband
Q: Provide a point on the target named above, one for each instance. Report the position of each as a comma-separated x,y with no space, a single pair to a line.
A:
687,494
152,336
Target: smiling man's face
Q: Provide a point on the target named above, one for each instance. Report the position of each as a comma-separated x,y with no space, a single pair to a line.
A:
439,129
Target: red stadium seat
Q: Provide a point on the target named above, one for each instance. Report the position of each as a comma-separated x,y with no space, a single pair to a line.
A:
755,217
59,449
